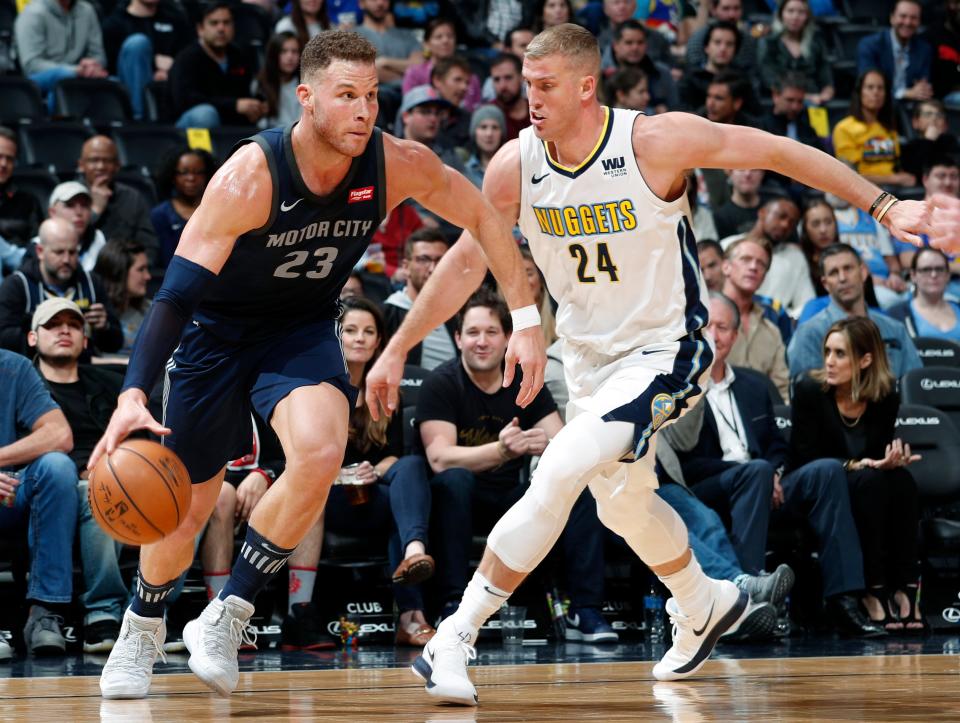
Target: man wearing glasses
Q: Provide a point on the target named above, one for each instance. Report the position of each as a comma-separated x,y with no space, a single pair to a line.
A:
422,253
932,138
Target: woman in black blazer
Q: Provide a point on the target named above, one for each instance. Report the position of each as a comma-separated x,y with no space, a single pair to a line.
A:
848,410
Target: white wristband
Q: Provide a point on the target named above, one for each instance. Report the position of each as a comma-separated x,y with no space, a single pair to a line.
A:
525,317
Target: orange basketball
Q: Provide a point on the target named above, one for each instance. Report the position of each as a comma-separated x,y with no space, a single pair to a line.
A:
140,493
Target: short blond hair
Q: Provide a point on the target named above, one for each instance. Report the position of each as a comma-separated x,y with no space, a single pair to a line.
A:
570,41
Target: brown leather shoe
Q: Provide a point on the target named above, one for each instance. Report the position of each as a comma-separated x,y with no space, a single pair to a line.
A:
414,570
417,639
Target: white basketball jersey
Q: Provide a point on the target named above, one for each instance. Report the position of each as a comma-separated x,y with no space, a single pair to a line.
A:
620,262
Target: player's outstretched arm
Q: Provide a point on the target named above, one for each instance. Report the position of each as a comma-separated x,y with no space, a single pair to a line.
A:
673,142
237,199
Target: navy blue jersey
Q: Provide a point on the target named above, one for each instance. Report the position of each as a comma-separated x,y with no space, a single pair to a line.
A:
291,271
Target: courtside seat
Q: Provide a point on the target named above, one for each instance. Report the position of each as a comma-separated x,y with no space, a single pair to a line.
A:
934,386
54,146
96,101
938,352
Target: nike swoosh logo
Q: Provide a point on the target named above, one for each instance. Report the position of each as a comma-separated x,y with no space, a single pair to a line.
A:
285,207
487,588
534,179
699,632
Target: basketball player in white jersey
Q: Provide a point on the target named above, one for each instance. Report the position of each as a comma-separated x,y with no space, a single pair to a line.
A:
599,194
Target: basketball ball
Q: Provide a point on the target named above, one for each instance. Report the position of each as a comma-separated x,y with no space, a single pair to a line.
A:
140,493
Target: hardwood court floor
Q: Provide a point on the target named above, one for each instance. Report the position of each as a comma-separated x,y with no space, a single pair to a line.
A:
863,688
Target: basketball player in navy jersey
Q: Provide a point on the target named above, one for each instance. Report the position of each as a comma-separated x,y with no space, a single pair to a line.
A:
600,195
256,281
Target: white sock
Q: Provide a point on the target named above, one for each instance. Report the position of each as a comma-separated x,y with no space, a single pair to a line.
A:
480,600
215,582
301,580
691,588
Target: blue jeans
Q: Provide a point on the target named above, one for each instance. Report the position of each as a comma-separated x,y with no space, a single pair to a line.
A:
708,537
46,500
135,69
47,80
410,506
105,595
200,116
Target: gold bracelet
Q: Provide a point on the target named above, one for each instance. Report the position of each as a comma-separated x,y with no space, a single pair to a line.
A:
502,449
883,211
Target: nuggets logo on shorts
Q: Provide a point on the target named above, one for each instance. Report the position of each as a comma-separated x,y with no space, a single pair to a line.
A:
661,408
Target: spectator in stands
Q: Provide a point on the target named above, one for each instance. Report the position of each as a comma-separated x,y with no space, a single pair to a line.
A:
738,467
928,313
847,410
788,278
392,236
440,43
538,285
710,255
422,253
278,80
210,80
374,454
703,226
125,272
477,442
450,77
760,342
628,88
818,230
872,240
353,286
119,210
52,273
488,131
945,42
867,138
181,181
397,48
41,494
306,19
141,39
629,50
87,394
58,40
507,83
515,42
932,139
20,213
730,11
72,202
547,13
843,275
903,57
739,214
797,46
722,41
789,117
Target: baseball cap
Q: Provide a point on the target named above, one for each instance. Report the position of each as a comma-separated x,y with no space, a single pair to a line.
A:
50,308
67,191
421,95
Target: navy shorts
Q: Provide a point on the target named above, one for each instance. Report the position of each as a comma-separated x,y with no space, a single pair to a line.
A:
212,384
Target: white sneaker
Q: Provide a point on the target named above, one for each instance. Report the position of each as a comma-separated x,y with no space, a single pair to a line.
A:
130,665
694,639
443,667
6,651
213,640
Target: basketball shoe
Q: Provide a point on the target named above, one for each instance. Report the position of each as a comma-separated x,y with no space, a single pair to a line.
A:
442,666
129,668
213,640
694,637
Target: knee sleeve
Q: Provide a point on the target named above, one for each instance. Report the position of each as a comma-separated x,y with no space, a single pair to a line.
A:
526,533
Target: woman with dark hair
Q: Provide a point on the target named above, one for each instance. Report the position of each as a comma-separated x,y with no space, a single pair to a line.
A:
440,41
928,313
306,19
125,271
818,229
797,45
547,13
629,88
278,80
848,410
867,139
181,181
397,486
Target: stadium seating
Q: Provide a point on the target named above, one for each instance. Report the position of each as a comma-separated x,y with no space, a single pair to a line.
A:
140,181
253,26
938,352
934,386
411,382
54,146
96,101
781,415
225,138
144,146
36,181
21,101
874,12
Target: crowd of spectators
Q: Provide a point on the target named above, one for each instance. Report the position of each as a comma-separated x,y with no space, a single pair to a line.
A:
813,302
